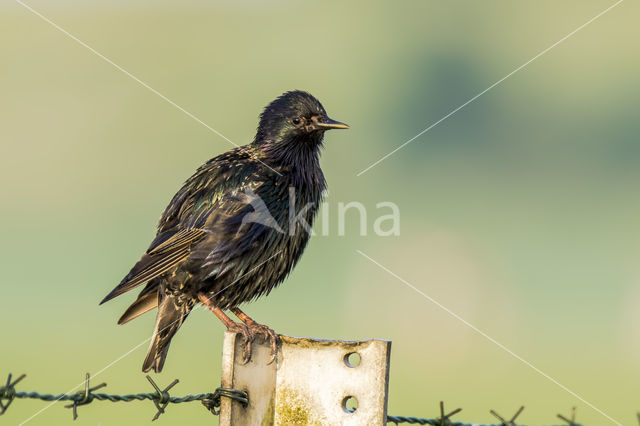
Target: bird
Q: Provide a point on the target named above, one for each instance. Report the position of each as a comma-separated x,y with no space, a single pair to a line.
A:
236,228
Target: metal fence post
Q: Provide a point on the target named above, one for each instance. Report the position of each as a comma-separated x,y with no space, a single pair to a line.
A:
312,382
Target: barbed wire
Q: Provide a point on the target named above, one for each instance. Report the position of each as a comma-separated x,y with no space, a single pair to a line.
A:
444,419
161,398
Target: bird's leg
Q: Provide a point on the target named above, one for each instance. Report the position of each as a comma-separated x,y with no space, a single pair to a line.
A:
267,332
244,329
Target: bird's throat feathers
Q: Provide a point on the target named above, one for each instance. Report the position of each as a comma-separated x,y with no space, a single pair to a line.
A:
298,156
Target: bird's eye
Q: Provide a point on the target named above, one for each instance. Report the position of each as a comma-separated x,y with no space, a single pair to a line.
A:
296,121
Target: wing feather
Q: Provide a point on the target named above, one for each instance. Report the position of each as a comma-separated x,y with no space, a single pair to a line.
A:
167,255
207,204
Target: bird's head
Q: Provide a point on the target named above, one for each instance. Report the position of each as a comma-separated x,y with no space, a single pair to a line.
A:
294,118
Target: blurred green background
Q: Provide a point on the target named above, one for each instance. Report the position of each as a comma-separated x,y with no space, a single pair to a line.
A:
519,213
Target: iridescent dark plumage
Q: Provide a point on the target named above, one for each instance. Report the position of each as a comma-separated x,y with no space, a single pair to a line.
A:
216,241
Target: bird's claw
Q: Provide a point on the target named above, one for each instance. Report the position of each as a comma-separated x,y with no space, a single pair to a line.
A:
248,335
269,335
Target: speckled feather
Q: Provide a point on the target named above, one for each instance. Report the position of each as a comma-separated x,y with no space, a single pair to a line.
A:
204,246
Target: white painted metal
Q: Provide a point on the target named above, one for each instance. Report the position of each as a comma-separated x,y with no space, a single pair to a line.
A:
308,384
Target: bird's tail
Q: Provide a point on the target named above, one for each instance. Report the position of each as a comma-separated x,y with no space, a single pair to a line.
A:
171,315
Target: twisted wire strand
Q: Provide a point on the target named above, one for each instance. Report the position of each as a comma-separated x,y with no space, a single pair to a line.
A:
116,398
422,421
210,400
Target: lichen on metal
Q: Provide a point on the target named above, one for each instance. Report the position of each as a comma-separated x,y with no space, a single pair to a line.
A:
309,383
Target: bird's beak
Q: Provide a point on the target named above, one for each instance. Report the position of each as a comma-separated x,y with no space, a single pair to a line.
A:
328,123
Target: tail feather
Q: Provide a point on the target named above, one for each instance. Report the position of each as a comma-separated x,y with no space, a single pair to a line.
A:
171,315
144,303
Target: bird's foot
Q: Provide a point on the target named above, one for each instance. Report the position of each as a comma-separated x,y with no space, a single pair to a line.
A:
248,328
269,335
248,335
259,329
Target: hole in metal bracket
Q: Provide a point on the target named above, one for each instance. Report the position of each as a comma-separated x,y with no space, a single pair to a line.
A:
349,404
352,359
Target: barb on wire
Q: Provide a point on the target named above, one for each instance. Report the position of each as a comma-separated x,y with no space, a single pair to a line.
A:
443,420
572,420
163,396
85,397
512,421
160,398
8,392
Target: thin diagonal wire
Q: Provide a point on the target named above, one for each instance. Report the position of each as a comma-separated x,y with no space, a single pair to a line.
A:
132,76
146,340
488,88
486,336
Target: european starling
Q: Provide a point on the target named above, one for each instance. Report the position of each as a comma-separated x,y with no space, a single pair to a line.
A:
236,228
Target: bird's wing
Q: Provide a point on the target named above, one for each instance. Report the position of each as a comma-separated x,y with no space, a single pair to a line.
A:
158,260
214,180
206,202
